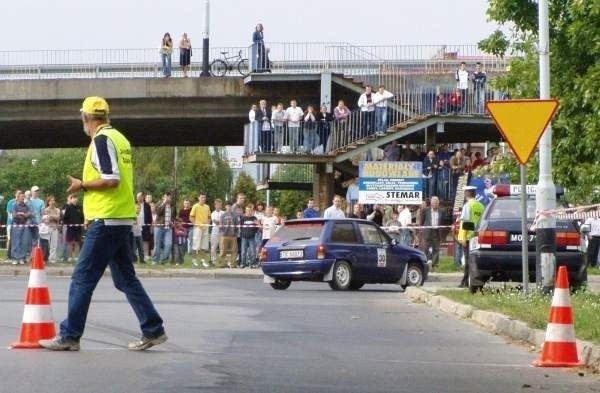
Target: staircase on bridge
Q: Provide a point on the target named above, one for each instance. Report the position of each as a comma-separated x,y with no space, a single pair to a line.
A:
423,93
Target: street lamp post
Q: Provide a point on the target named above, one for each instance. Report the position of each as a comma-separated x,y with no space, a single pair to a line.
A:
545,244
205,44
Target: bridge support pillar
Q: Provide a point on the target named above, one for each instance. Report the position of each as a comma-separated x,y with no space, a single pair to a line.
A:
430,135
325,90
323,185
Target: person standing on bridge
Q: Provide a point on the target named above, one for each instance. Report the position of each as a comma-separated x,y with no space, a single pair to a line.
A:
259,55
185,54
109,208
166,48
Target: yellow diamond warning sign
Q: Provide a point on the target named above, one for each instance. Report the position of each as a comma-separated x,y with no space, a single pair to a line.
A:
522,123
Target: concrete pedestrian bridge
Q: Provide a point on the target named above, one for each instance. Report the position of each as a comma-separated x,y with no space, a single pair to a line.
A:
41,92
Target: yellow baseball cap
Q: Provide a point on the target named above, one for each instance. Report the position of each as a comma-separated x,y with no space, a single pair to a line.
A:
95,106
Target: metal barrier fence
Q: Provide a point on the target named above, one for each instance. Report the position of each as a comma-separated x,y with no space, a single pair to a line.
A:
284,57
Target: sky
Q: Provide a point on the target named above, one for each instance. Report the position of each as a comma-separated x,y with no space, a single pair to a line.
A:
107,24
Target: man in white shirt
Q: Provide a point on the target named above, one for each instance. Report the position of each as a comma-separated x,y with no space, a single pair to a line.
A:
215,234
366,104
294,115
462,83
381,98
405,219
335,210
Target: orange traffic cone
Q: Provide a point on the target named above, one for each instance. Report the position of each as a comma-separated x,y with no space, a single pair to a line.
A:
37,322
560,349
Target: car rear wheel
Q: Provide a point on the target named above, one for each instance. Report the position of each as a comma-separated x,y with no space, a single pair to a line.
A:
356,285
474,288
342,276
415,275
280,284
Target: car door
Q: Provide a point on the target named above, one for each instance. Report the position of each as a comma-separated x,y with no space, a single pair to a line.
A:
374,260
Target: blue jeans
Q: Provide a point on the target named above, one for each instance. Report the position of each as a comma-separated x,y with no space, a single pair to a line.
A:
248,251
107,245
166,64
19,242
380,119
294,134
479,94
163,240
310,139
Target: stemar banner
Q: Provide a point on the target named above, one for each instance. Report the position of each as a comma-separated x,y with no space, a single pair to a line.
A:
390,182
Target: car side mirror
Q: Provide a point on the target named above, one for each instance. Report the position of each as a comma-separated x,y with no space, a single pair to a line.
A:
584,229
394,242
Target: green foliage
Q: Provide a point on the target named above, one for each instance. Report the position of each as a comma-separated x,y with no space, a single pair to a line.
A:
245,184
49,171
290,201
575,81
198,169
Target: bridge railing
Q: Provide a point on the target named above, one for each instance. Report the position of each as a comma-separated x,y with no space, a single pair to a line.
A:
285,57
335,136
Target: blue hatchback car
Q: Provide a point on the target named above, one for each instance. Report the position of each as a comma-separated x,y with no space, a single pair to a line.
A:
346,253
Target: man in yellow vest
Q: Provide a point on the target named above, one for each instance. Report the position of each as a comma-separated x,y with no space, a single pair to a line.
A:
109,211
471,214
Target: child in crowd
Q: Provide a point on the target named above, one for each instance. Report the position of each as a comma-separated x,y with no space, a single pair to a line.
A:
179,241
44,232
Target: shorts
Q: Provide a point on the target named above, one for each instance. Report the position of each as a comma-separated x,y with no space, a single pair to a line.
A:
200,238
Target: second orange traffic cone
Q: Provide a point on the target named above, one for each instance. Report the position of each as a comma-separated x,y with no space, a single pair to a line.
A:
38,322
560,348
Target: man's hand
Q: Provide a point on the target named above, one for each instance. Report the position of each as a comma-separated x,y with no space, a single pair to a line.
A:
74,184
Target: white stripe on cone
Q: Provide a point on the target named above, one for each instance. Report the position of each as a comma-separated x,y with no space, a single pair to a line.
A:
560,332
561,298
37,279
34,313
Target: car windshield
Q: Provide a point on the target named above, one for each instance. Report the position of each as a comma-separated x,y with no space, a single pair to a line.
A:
299,231
510,208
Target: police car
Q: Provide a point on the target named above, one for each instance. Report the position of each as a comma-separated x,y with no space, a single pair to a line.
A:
495,249
345,253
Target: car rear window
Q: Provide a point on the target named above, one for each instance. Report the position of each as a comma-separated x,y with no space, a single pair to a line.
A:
510,208
299,231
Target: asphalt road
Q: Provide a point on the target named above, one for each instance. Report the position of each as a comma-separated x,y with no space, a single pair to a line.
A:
239,335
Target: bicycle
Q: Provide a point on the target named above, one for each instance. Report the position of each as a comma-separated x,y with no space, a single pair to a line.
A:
219,67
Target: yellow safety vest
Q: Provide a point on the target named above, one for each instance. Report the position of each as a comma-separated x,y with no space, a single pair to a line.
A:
115,202
475,211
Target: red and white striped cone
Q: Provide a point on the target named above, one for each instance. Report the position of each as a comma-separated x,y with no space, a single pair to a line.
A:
560,347
38,323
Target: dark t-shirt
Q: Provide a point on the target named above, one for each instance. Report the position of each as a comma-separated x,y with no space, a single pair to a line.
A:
249,227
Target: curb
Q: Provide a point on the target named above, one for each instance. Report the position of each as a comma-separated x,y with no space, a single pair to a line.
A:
144,273
501,324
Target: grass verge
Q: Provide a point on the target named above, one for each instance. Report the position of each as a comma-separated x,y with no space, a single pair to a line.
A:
534,308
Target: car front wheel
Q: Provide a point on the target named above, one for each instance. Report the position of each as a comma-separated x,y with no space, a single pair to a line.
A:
342,276
281,285
415,275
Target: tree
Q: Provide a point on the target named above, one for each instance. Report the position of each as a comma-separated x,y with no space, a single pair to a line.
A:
290,201
575,81
246,185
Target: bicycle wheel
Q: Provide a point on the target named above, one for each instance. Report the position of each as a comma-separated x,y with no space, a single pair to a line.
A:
218,68
243,67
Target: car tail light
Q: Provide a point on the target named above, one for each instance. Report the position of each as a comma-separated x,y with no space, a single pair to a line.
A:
263,254
320,251
566,239
493,237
